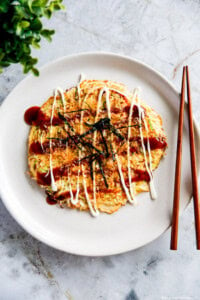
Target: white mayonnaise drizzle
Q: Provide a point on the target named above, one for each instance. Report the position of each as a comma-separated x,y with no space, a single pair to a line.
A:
41,141
93,208
73,201
148,166
82,77
116,155
58,89
94,141
53,183
128,145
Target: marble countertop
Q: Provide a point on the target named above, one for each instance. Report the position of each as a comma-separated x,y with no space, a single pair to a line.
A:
166,35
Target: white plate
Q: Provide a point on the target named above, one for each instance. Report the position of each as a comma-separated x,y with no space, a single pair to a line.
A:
73,231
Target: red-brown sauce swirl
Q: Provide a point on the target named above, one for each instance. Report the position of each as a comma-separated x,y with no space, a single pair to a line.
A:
31,115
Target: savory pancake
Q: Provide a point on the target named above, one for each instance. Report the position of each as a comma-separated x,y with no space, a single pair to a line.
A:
94,146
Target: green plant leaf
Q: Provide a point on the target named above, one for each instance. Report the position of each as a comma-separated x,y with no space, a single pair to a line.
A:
4,6
21,29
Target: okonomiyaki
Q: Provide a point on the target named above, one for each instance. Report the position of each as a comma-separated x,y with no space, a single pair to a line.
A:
94,146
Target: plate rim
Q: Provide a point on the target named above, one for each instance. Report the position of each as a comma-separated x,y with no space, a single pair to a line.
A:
2,190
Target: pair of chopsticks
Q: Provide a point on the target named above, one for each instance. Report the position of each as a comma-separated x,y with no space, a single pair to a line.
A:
175,215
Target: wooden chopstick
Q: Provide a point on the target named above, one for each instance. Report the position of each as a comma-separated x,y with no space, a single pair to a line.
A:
193,164
175,215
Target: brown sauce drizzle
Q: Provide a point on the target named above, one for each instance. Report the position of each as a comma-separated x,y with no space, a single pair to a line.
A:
155,142
50,200
45,178
31,115
38,148
35,116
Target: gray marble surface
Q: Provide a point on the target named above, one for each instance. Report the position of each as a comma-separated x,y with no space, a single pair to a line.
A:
166,35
